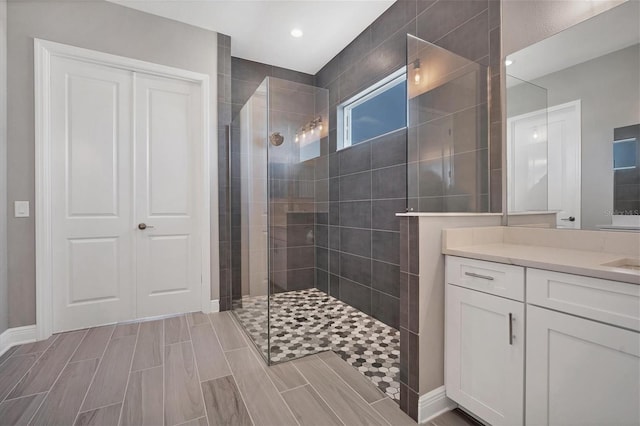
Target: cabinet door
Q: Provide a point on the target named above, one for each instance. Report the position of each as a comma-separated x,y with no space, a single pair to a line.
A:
484,354
580,372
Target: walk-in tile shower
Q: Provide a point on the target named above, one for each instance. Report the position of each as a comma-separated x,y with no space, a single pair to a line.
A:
279,146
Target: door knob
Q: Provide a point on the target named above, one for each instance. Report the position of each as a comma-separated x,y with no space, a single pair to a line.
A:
569,219
143,226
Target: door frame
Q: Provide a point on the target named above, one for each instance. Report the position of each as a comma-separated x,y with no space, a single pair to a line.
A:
512,121
43,51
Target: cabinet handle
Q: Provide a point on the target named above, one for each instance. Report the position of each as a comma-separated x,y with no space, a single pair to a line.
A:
474,275
510,328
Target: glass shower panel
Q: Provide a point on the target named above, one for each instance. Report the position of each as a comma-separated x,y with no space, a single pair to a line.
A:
298,162
279,190
527,147
448,132
249,211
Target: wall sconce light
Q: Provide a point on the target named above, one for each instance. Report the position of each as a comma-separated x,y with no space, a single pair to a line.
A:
417,74
310,127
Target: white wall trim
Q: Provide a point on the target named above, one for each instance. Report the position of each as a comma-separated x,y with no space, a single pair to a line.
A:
43,50
215,306
433,404
17,336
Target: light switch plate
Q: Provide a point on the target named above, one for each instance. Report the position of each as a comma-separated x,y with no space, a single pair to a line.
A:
21,208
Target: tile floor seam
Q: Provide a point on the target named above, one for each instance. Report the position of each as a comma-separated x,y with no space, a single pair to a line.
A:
28,370
126,387
318,393
224,354
195,361
382,395
58,377
84,398
264,368
95,409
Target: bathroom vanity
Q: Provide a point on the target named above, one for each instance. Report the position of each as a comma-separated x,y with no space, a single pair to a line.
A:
542,326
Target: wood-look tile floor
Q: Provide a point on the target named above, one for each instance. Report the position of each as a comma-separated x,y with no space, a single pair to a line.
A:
192,369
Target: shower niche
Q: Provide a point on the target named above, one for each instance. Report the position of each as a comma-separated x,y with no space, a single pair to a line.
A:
278,174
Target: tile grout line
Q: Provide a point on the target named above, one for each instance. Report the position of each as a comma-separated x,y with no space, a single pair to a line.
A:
318,393
224,354
94,373
195,361
262,365
58,377
29,369
126,388
383,395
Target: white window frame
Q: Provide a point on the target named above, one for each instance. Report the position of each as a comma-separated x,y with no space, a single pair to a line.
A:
345,108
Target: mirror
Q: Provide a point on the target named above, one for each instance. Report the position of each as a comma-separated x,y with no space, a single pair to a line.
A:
573,124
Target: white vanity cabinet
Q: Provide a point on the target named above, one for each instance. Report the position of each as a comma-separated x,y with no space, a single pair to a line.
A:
582,339
583,364
484,340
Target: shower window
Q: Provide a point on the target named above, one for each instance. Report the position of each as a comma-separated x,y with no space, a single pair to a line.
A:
380,109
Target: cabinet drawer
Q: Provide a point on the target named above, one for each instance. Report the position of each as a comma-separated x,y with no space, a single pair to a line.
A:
611,302
489,277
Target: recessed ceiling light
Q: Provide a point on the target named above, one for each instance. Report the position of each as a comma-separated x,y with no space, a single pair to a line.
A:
508,62
297,33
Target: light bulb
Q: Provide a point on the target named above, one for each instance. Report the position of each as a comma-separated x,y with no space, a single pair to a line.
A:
417,76
304,134
297,138
320,127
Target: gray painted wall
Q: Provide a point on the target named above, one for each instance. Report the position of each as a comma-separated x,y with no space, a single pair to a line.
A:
97,25
526,22
608,89
4,313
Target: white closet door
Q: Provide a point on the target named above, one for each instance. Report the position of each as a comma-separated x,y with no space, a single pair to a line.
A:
168,184
92,251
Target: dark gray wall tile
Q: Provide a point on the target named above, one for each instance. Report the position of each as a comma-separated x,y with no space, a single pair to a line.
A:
385,277
356,295
356,268
385,246
383,214
385,308
389,150
355,241
356,214
355,159
356,187
389,182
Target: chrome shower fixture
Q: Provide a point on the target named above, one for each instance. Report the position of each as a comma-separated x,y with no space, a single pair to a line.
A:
276,139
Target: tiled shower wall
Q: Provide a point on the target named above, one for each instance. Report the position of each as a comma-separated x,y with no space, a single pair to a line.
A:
224,119
358,248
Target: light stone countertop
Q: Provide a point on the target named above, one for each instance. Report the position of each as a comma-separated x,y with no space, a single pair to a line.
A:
560,259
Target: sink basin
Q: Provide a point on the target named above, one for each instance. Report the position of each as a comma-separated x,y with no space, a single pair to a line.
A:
631,264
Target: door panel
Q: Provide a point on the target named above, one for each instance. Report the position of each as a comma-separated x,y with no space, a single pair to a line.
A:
93,277
168,179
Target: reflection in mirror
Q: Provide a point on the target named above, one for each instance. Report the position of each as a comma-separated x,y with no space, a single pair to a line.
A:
573,114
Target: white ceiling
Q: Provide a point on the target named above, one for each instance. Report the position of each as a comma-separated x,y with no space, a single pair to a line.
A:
260,29
607,32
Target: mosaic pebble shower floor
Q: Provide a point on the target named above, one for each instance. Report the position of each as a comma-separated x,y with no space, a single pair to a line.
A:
309,321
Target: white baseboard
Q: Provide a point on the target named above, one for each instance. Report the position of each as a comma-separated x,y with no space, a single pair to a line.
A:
434,403
215,305
17,336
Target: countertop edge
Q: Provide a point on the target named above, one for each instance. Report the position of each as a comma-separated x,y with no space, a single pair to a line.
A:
611,275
